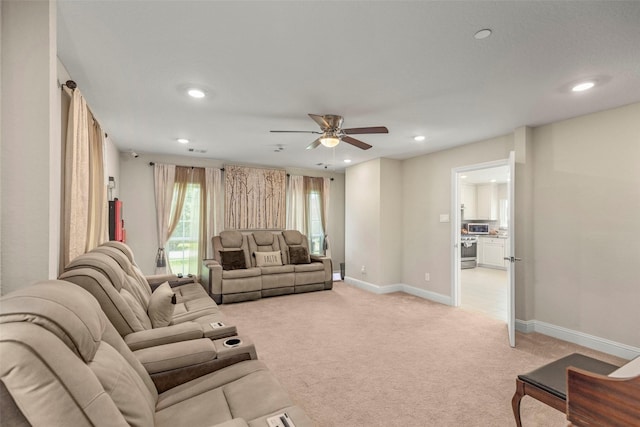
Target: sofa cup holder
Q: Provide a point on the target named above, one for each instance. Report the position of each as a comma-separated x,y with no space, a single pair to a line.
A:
232,342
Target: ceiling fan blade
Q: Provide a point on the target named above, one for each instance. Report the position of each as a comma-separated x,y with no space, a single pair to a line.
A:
356,142
375,129
320,121
314,144
295,131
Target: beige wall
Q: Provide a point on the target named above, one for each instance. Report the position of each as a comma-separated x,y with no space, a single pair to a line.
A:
426,194
137,194
31,148
373,222
391,221
577,206
586,211
362,221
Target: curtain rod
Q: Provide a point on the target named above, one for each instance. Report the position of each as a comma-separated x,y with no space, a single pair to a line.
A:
182,166
222,169
69,83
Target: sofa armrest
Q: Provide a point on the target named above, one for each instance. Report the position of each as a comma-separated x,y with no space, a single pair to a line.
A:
594,399
328,269
211,273
176,355
158,279
154,337
176,363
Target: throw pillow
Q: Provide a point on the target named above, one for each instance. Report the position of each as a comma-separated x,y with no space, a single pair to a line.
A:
268,259
233,260
299,255
161,306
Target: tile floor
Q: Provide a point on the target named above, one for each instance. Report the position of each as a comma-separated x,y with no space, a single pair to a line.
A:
484,290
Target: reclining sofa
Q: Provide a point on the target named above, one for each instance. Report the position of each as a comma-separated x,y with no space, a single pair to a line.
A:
64,364
250,265
138,314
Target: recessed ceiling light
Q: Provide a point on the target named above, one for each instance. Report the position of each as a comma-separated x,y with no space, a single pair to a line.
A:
419,138
347,160
196,93
482,34
493,180
583,86
183,140
463,176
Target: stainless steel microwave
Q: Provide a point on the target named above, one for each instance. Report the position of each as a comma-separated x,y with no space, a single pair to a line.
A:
477,228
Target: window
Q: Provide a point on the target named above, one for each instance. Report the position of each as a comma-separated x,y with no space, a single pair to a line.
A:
182,247
316,233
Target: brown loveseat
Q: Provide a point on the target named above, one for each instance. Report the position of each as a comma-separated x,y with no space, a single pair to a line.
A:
250,265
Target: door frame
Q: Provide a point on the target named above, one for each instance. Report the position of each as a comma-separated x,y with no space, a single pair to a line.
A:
456,225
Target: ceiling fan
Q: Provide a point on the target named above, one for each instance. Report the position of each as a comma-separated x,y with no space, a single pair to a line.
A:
332,132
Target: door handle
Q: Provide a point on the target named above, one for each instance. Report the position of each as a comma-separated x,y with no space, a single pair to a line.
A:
512,259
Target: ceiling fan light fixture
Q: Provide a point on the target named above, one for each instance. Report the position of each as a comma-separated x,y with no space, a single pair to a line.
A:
329,140
196,93
581,87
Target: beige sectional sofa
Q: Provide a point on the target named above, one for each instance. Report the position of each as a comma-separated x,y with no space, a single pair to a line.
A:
250,265
64,364
127,302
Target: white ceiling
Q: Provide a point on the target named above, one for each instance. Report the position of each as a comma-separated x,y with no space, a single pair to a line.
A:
414,67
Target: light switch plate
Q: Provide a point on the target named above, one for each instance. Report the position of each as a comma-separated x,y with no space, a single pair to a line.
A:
444,217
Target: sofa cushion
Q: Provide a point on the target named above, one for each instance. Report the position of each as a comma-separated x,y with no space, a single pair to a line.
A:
264,238
138,311
267,259
314,266
123,385
277,269
161,306
299,255
231,239
240,274
233,260
292,237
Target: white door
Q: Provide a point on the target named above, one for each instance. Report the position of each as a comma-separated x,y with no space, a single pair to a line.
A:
509,255
510,258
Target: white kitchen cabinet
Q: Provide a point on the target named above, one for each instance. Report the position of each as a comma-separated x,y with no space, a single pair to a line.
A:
487,201
491,252
468,199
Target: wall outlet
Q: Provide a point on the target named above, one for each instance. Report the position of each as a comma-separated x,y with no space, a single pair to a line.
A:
427,277
363,270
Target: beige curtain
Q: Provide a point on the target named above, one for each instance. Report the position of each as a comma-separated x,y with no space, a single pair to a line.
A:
296,204
98,223
326,196
85,204
214,188
164,178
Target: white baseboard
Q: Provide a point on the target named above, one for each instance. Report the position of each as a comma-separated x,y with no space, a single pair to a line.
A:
576,337
399,287
526,326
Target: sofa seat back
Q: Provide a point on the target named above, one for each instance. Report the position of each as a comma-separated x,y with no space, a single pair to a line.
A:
106,281
129,269
64,364
120,304
231,240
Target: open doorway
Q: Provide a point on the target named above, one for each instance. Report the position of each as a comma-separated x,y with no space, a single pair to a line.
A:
482,235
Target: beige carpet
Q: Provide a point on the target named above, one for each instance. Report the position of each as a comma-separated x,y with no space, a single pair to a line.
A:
354,358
